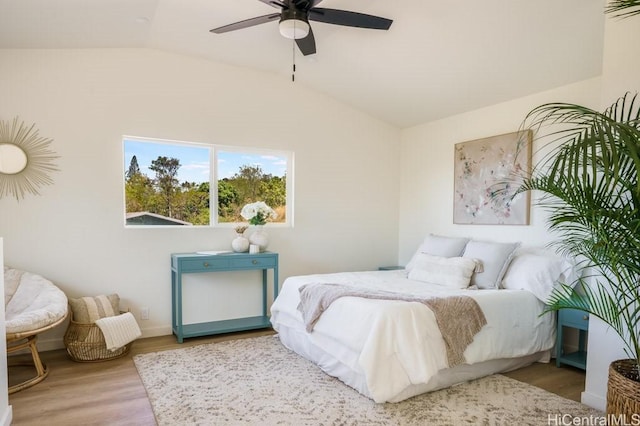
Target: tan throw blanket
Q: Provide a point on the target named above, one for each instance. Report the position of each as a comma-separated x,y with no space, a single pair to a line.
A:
458,317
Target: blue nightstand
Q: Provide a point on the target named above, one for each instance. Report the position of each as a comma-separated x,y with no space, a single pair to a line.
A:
579,320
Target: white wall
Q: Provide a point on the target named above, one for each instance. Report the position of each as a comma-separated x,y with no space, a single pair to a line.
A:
621,58
427,152
621,63
346,170
426,196
6,412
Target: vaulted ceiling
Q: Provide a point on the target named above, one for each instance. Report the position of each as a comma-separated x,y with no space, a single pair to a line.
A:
438,58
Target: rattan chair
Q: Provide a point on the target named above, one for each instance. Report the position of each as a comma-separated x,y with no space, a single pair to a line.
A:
33,305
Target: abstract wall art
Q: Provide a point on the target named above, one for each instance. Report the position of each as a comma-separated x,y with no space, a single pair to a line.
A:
486,177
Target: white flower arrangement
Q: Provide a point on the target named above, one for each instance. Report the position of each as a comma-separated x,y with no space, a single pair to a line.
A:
258,213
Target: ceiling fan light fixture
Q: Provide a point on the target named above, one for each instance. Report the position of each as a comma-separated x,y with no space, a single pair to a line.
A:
294,28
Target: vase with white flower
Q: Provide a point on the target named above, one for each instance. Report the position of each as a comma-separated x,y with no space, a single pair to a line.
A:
258,214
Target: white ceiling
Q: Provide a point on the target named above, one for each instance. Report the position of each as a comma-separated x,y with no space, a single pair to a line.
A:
439,57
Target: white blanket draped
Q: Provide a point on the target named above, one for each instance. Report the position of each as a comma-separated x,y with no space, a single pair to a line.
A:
119,330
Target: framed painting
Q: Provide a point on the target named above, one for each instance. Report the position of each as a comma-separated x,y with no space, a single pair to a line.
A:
486,176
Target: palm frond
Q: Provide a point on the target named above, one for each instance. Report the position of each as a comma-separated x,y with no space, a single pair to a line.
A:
589,185
623,8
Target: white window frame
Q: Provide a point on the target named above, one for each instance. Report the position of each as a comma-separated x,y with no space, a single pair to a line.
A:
213,180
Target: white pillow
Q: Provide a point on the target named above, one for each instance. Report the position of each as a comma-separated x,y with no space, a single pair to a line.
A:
495,258
538,273
437,245
453,272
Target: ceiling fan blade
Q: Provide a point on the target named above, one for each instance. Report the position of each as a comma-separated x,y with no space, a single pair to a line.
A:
276,4
246,23
349,19
307,45
305,4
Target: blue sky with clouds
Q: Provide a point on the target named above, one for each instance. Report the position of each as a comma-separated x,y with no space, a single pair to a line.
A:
194,160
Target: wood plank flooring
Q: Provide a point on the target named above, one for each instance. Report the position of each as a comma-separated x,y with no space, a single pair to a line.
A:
111,393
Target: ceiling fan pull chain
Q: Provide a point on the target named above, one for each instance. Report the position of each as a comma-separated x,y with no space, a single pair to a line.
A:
293,54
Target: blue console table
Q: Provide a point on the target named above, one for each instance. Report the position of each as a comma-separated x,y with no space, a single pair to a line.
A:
193,263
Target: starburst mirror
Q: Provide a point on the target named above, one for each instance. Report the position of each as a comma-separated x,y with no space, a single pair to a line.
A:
26,160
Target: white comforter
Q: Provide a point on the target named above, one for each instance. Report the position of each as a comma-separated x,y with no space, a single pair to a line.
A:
395,344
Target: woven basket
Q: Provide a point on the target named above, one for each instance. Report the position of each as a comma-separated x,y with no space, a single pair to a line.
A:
623,393
85,343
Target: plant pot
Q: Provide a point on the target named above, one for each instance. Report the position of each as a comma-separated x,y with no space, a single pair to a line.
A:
623,390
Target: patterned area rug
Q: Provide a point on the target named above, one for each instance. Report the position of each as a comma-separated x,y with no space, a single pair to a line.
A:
257,381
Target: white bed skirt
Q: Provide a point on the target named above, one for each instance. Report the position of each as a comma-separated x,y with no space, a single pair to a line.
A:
298,341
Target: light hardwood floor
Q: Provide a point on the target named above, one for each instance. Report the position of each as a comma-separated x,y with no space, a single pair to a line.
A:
111,393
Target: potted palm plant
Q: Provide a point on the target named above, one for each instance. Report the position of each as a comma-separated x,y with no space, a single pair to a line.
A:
589,184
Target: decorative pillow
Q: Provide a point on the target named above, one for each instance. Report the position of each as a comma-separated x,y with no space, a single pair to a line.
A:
538,273
437,245
495,258
454,272
87,310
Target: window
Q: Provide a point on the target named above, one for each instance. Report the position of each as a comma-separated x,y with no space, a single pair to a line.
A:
244,178
168,183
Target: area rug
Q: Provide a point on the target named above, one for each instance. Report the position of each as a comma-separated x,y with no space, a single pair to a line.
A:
257,381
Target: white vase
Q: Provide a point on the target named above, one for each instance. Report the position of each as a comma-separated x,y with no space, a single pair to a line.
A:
240,243
260,238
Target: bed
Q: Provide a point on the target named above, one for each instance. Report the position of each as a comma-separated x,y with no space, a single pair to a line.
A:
390,350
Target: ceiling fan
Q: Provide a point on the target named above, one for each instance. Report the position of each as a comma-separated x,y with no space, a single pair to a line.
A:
294,17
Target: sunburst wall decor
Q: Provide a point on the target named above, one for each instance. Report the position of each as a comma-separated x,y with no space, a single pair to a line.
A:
26,160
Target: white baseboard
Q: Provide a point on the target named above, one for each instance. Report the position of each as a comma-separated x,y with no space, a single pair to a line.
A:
7,416
594,401
157,331
52,344
48,345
